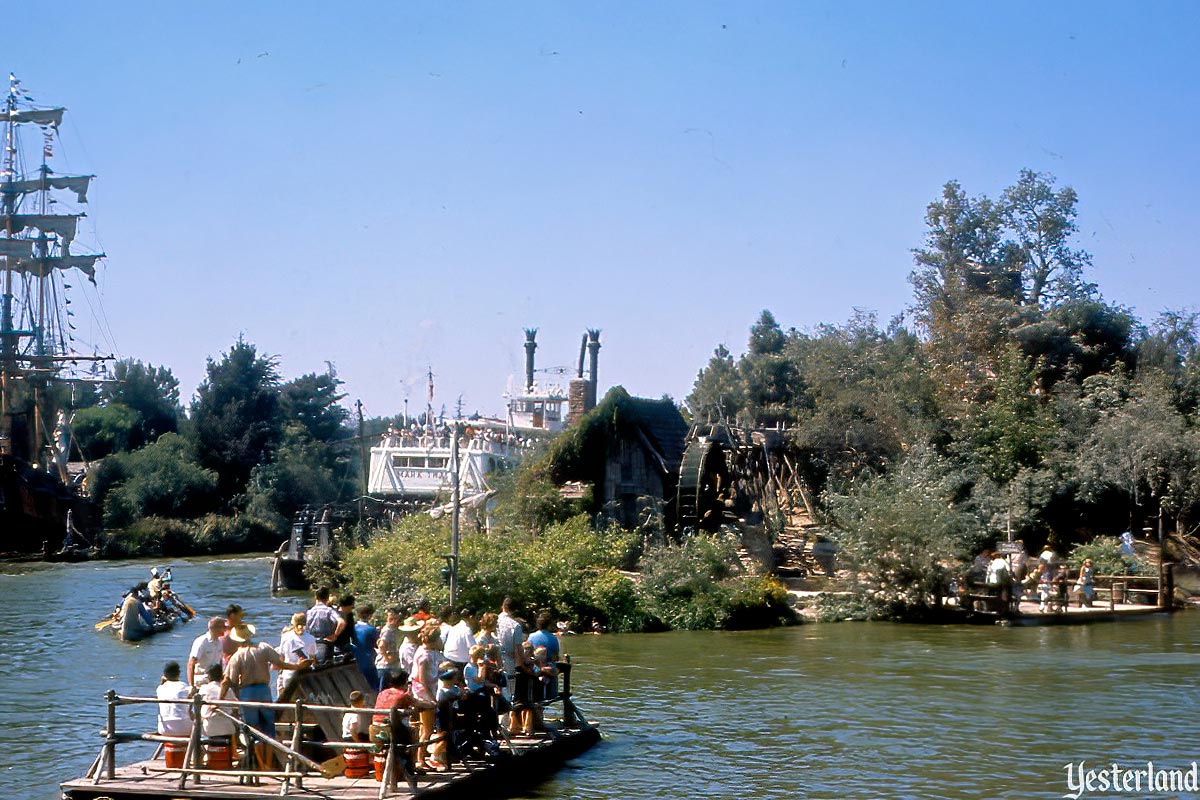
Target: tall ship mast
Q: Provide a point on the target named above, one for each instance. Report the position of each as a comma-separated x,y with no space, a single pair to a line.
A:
39,356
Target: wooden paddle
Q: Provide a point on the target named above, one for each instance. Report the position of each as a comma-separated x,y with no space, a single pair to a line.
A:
104,623
190,612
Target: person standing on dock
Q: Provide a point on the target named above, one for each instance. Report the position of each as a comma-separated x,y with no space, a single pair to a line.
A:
234,615
512,655
322,623
365,637
295,644
249,672
461,639
387,647
424,681
206,652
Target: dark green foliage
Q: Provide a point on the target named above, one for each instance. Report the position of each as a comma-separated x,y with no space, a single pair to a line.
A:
301,474
152,392
312,402
160,480
237,416
101,430
902,535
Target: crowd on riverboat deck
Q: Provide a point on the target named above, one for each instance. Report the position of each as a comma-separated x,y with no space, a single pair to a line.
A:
1010,576
459,678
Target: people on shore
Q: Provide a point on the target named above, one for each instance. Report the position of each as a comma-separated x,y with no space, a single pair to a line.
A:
387,647
1084,587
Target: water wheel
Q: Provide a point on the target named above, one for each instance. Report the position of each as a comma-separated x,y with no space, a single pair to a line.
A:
703,485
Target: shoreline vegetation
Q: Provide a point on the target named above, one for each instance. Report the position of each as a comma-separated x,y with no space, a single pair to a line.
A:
1010,398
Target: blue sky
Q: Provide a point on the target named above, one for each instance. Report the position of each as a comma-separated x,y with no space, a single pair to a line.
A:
388,186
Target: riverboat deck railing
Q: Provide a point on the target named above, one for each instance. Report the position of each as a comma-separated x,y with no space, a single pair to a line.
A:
296,765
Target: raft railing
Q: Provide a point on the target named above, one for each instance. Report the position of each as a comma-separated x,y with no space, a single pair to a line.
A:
296,766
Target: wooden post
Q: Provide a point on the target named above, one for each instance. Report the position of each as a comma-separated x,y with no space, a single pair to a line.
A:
110,743
297,729
194,755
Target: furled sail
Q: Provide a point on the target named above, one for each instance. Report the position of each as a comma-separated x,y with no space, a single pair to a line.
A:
16,247
41,267
38,116
72,183
62,224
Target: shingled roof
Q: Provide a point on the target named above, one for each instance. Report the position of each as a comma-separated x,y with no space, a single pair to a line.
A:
580,453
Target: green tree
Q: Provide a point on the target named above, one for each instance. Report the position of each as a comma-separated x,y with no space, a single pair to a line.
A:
1042,222
312,401
161,480
299,475
153,392
102,430
718,390
236,417
902,534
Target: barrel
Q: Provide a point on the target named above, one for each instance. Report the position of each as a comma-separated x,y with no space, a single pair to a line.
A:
356,763
380,764
220,755
174,752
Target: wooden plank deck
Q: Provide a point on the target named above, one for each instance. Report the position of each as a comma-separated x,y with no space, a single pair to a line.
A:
533,758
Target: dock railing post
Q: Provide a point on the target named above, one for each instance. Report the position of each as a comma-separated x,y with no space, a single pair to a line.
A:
297,730
568,706
194,755
110,742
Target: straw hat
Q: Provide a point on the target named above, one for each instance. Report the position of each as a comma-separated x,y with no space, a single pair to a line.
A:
242,633
410,625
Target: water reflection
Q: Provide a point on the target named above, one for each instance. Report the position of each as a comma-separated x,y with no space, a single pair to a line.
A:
834,711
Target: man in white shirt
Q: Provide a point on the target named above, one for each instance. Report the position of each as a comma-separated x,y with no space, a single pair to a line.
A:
460,639
206,651
174,719
295,645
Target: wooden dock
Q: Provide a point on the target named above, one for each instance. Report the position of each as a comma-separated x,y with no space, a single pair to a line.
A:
532,759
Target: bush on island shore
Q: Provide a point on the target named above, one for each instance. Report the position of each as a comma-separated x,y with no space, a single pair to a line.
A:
571,569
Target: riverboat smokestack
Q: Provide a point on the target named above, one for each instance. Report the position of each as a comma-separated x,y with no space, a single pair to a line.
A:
530,346
593,346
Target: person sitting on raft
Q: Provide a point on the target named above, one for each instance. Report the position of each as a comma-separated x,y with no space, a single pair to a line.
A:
174,719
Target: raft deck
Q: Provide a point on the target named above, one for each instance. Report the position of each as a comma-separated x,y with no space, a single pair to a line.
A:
318,705
532,758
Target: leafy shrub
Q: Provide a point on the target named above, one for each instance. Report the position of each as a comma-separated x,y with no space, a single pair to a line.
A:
1105,553
681,585
757,602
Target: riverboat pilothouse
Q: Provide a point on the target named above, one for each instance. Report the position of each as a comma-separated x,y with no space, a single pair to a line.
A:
414,462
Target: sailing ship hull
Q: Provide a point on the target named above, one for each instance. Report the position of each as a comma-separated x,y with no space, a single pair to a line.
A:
33,509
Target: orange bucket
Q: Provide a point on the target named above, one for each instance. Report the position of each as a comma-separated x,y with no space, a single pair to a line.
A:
174,752
356,763
380,764
220,756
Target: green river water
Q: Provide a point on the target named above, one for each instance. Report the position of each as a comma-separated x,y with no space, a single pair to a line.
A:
817,711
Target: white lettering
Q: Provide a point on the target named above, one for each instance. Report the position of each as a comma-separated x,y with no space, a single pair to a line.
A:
1074,788
1191,781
